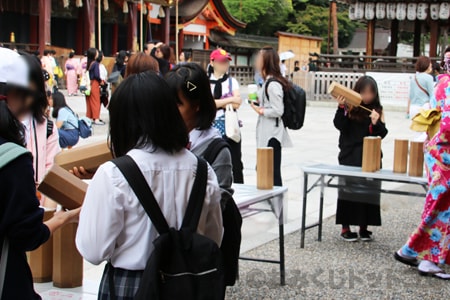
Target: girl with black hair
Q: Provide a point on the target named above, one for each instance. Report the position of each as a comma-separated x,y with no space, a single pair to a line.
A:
357,206
21,220
41,134
66,121
146,125
93,102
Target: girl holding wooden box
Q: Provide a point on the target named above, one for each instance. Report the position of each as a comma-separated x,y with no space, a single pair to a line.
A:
356,204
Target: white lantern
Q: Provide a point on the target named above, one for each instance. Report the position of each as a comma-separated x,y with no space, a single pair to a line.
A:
422,11
352,12
125,7
370,11
359,11
412,11
444,11
79,3
434,11
105,5
65,3
401,11
391,11
381,10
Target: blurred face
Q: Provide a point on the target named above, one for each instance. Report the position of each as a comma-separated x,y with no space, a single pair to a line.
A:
188,112
447,61
221,67
159,53
259,62
20,101
367,95
182,57
430,69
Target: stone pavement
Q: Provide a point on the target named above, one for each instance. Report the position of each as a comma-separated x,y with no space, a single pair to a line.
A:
315,143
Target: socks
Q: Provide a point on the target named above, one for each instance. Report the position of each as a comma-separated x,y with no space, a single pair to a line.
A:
428,266
362,228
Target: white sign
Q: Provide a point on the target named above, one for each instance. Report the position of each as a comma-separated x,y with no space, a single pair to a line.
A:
393,87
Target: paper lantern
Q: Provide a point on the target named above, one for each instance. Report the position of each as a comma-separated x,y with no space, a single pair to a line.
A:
370,11
444,11
105,5
162,13
422,11
65,3
391,11
381,10
401,11
411,13
125,7
351,12
79,3
359,10
434,11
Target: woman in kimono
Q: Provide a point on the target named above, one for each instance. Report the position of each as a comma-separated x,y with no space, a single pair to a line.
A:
71,71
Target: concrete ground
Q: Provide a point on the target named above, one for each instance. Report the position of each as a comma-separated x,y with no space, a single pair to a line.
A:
315,143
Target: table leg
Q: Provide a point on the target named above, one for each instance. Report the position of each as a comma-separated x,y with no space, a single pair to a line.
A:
282,262
322,188
305,196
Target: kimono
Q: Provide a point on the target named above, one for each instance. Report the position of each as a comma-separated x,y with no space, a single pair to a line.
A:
431,240
72,70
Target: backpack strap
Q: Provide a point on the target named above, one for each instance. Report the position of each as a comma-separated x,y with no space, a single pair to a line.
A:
230,85
214,149
197,197
139,185
9,152
3,263
50,125
267,86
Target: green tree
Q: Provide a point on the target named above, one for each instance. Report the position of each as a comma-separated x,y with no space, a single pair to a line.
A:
314,21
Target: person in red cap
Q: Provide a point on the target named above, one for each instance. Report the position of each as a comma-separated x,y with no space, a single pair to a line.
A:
225,90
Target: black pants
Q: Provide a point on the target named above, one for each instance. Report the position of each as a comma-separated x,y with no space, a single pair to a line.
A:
275,144
236,160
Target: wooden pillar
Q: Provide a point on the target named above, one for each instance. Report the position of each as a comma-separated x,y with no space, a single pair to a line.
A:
115,39
34,33
132,26
370,41
335,27
434,36
90,13
45,17
79,46
167,26
417,37
207,39
394,38
180,42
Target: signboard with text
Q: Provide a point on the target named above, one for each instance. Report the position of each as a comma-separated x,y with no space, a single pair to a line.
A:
393,87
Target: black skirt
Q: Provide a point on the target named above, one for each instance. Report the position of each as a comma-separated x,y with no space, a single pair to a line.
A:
357,203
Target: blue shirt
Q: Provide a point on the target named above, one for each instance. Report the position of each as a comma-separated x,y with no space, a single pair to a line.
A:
416,94
70,121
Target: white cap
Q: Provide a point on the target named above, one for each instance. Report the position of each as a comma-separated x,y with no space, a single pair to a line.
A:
14,69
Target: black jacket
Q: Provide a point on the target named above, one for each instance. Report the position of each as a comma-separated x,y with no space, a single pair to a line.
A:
21,221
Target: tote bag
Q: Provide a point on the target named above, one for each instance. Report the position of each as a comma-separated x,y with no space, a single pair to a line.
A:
232,129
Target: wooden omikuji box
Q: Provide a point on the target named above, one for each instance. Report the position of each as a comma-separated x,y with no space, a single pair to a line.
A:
371,161
67,261
335,89
401,149
264,168
89,157
416,159
41,259
63,187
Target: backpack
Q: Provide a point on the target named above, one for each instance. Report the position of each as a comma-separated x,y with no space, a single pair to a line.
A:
231,218
183,264
294,101
84,125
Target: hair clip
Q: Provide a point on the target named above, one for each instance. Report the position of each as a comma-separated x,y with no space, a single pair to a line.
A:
190,86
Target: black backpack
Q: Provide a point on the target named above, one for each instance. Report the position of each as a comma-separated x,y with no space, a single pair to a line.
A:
294,105
231,218
183,264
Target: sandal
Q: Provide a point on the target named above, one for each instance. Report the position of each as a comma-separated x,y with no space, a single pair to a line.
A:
437,274
413,262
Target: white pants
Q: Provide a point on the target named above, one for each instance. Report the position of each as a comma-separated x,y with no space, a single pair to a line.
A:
413,111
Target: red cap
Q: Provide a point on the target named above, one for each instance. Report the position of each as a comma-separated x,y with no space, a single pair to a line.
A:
220,55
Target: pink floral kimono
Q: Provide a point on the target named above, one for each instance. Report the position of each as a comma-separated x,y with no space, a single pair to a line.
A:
72,71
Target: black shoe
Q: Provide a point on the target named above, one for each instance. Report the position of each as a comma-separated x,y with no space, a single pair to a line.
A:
366,236
410,261
349,236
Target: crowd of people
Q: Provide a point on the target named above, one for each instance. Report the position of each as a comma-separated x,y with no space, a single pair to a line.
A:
163,116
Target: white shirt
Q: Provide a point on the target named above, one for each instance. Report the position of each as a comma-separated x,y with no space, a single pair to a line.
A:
226,89
283,69
114,226
103,72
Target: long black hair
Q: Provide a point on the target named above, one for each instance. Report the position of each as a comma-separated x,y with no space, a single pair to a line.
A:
40,103
143,112
358,113
271,66
59,101
191,80
91,55
11,129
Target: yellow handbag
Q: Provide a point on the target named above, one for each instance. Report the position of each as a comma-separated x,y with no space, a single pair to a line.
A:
427,121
